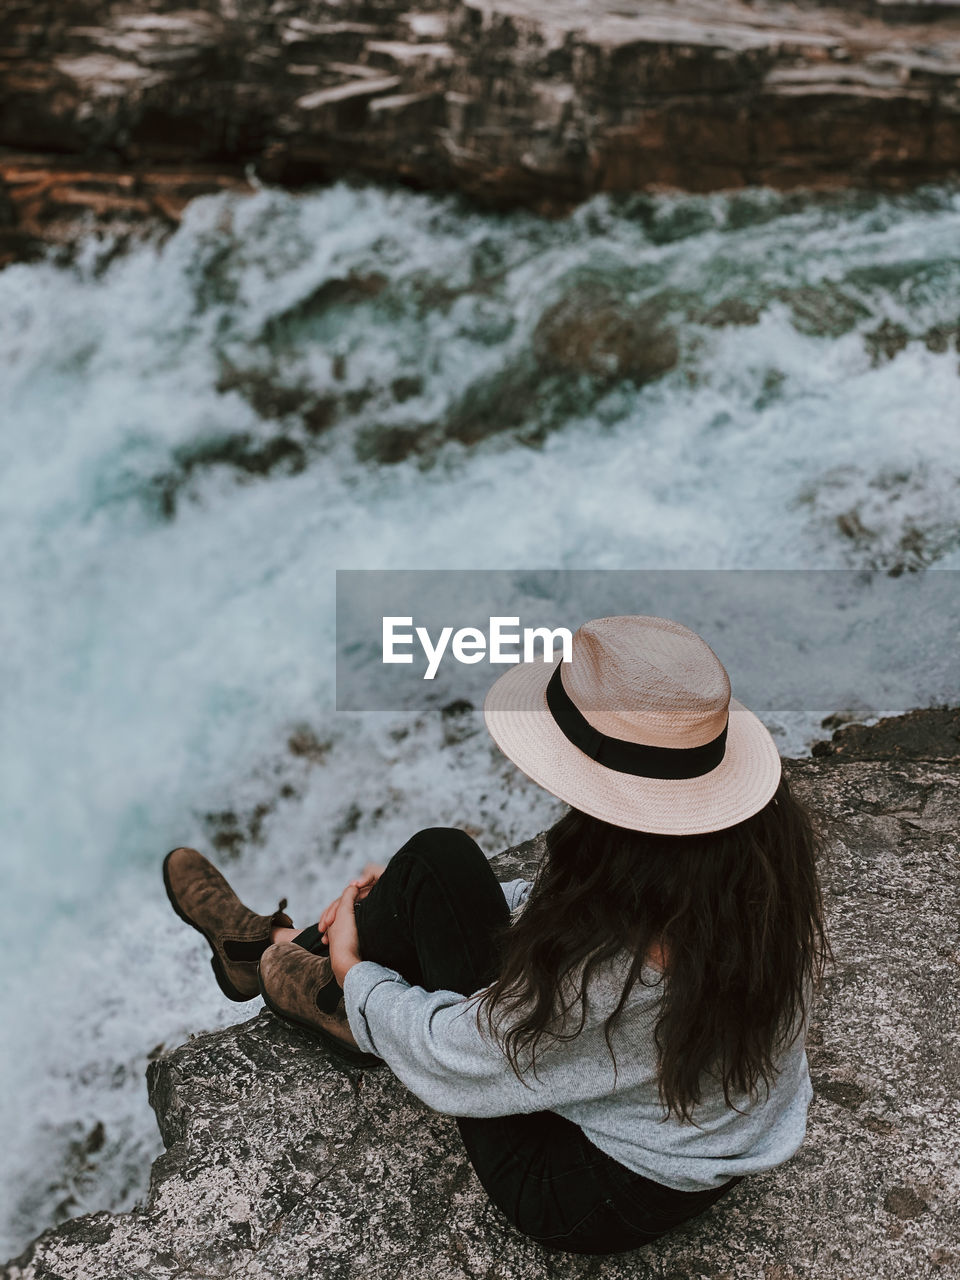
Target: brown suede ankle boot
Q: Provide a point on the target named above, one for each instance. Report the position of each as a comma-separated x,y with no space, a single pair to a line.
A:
237,936
299,987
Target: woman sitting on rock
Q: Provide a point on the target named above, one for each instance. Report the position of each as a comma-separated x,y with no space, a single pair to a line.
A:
622,1041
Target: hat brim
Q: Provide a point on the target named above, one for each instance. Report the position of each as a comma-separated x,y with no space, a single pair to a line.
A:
520,723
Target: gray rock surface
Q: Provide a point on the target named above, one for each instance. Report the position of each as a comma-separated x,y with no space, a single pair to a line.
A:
115,114
280,1163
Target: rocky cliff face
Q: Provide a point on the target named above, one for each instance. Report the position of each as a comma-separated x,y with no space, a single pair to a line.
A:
280,1162
116,113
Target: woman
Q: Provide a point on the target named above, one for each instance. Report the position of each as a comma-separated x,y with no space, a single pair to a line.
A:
623,1040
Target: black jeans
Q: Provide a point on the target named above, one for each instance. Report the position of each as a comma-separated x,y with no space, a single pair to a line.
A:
433,917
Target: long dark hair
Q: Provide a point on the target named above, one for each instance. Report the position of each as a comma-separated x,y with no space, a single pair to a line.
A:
738,915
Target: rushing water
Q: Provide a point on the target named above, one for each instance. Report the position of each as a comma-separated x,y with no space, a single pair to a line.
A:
194,436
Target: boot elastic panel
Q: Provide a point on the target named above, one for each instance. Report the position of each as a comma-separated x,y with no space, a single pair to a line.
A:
310,940
330,996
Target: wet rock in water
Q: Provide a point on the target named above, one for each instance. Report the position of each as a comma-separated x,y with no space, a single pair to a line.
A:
295,421
771,388
458,707
243,454
506,400
940,337
228,831
304,743
822,310
339,291
594,330
272,399
461,721
886,341
388,443
729,311
95,1138
282,1162
224,833
406,387
521,399
850,524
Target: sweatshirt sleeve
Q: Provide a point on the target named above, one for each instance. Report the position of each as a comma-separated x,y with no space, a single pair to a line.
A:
432,1041
515,892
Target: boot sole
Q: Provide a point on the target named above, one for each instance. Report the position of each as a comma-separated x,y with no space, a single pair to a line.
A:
350,1057
223,982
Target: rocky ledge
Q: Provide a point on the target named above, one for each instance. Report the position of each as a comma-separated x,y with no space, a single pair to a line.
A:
281,1163
115,114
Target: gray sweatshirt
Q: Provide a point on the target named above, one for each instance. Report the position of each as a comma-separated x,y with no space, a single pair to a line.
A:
432,1041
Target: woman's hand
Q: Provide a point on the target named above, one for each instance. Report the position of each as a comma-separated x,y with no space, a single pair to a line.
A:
368,877
342,935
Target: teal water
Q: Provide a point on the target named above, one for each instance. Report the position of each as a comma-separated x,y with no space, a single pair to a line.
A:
196,435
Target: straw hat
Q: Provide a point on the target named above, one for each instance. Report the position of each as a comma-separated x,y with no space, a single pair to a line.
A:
638,729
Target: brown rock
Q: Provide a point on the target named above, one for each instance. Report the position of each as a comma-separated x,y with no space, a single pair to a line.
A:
115,116
592,330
